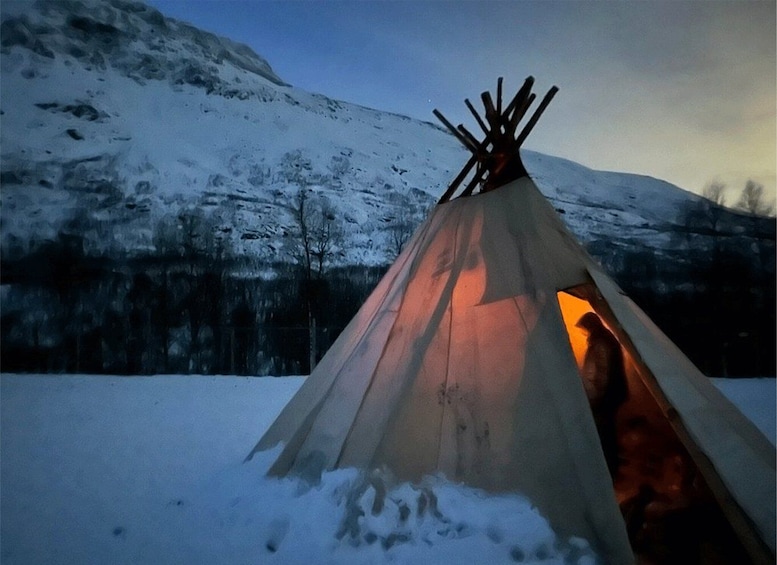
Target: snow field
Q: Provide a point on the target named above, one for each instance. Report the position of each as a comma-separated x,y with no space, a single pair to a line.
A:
99,469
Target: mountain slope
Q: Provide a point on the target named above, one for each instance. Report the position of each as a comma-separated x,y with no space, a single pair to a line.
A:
114,117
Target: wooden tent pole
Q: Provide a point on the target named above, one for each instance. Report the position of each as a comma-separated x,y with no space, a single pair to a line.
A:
488,103
477,178
499,126
477,116
457,181
479,145
464,141
499,96
533,121
519,113
522,94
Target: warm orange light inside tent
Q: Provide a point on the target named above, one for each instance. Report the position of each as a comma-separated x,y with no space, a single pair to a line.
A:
471,283
572,309
471,279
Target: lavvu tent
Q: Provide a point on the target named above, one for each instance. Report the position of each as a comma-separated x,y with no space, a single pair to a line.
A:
465,361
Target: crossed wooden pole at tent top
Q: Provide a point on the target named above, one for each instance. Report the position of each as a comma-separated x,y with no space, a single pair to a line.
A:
497,157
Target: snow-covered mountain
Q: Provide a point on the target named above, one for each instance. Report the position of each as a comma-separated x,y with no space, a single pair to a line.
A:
115,116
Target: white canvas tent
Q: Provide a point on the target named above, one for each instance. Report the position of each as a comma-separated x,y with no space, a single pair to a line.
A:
463,362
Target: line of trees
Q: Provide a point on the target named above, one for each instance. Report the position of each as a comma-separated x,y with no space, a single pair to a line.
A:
317,236
187,306
714,296
191,305
752,199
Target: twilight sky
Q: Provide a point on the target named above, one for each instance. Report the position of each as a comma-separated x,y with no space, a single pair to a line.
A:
680,90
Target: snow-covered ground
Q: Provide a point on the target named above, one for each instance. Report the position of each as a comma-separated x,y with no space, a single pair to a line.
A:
100,469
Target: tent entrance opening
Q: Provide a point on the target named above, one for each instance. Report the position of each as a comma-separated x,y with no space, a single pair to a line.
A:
670,513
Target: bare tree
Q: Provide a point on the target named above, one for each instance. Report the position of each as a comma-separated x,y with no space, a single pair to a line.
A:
715,192
400,231
752,200
318,237
318,233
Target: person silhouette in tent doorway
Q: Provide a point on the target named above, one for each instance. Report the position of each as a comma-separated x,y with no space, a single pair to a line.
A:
604,380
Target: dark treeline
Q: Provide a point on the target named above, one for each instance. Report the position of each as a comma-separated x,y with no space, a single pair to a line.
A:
196,311
190,306
720,311
716,299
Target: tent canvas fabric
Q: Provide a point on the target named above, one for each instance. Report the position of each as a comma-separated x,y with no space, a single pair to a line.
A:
460,363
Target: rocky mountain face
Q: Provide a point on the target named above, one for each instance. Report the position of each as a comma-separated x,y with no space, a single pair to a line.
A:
135,40
118,124
114,116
